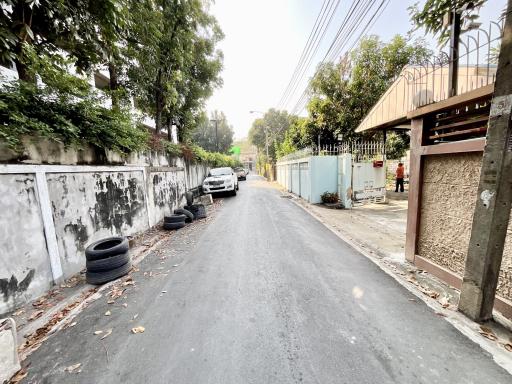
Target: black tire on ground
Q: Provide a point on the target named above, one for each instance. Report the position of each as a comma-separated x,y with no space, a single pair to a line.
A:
233,192
183,211
179,225
200,212
175,218
107,247
106,276
237,186
107,263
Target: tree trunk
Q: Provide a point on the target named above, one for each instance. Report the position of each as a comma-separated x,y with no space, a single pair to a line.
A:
23,15
113,84
158,102
169,129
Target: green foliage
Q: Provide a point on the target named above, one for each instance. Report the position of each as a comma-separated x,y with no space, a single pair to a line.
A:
176,64
342,94
80,27
27,110
329,198
270,130
397,144
430,15
207,136
195,153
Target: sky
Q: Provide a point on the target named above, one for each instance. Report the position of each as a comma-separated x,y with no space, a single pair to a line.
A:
265,38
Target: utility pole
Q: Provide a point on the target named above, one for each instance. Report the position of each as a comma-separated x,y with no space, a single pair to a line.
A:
492,210
216,134
266,141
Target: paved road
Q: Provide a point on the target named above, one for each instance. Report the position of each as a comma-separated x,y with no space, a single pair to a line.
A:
264,294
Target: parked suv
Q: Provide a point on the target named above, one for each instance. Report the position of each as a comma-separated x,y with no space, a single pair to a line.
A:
221,180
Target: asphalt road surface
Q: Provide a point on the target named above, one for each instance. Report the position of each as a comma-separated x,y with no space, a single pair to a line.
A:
262,294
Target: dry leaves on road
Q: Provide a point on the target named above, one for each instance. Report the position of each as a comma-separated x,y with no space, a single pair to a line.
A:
138,329
108,313
108,332
20,375
98,332
508,347
73,368
35,315
488,333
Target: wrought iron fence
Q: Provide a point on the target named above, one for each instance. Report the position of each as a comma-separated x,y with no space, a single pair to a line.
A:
426,82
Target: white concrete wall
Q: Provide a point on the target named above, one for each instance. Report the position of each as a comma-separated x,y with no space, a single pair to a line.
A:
324,176
50,213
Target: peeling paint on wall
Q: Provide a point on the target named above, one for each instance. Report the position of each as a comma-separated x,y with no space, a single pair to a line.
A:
11,287
486,197
24,262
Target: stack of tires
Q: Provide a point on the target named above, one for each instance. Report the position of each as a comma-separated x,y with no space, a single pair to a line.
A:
174,221
107,259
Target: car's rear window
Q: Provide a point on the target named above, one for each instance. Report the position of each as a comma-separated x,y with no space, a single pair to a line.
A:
220,171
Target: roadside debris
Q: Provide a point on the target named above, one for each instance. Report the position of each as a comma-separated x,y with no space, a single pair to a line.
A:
138,329
108,332
73,368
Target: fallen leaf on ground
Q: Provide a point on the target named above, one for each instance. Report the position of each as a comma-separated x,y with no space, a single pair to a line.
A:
412,299
19,312
164,291
72,324
20,375
444,302
486,329
490,336
108,332
73,368
35,315
111,301
138,329
108,313
98,332
508,347
129,282
135,316
176,265
125,305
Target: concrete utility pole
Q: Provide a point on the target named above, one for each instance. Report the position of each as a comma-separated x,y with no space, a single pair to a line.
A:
492,210
216,121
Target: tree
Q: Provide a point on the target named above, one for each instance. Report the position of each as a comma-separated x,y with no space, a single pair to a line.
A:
50,26
206,136
431,15
176,64
270,130
343,93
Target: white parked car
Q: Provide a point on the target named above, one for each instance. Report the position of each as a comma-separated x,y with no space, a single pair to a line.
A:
221,180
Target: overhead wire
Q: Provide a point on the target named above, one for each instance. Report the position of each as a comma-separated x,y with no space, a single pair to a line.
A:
320,29
341,43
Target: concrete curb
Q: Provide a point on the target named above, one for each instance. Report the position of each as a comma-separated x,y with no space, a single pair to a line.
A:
467,327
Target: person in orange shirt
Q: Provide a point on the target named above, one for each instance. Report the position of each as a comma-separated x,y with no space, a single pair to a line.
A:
400,177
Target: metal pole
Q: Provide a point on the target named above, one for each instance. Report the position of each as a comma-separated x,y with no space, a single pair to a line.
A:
216,136
453,71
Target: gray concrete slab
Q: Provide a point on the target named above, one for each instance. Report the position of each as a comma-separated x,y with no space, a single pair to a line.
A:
263,293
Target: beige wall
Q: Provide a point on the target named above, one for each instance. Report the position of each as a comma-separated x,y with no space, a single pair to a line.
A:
450,184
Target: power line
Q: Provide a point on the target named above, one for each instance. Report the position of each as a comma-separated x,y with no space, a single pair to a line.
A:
305,68
304,50
340,43
320,29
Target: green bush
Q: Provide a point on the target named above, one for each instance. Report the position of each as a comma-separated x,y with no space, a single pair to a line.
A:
329,198
30,110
